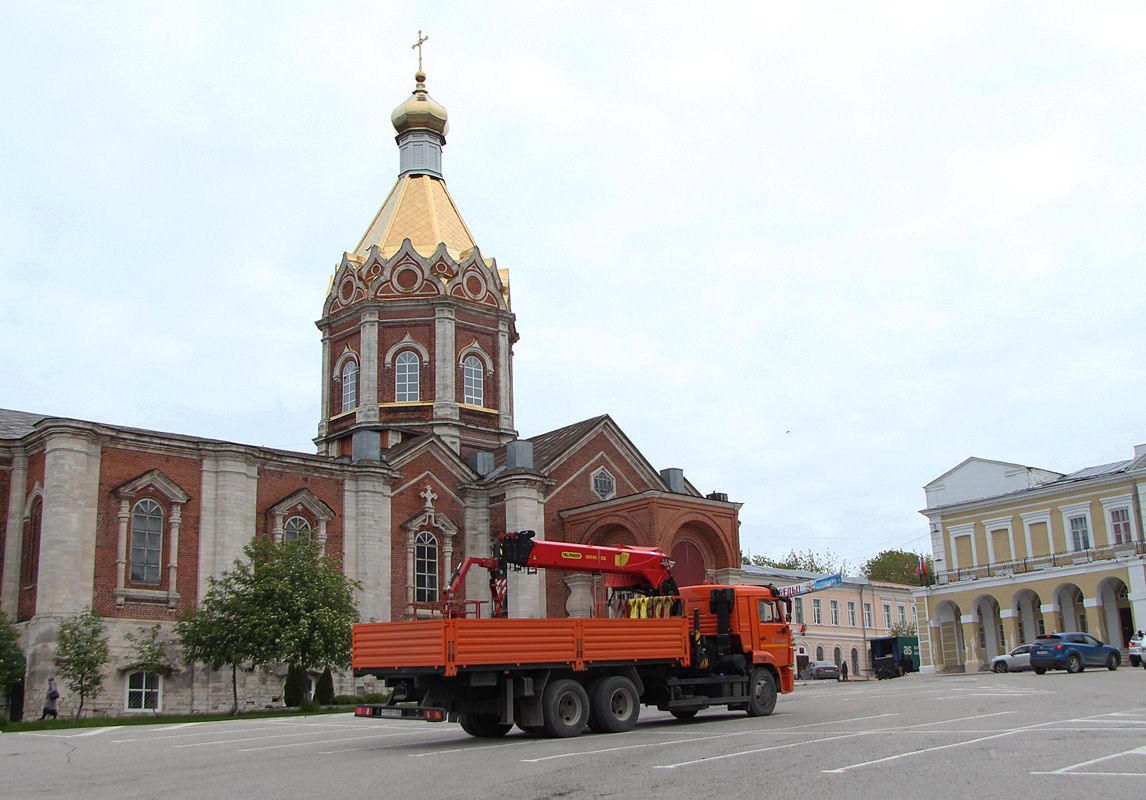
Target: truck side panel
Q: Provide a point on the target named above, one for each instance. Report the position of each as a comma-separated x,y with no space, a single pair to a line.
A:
450,644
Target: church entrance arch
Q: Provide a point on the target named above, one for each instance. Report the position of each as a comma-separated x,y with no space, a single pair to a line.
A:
688,564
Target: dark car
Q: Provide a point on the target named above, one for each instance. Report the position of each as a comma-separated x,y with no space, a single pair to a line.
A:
820,670
1072,652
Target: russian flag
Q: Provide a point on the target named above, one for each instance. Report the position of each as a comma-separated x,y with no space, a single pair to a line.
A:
921,568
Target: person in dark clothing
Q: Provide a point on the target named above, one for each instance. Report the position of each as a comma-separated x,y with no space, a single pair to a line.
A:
844,671
50,701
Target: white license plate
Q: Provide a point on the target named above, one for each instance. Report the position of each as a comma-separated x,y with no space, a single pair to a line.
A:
388,712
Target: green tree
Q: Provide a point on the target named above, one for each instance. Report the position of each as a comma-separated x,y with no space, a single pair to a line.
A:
902,629
11,658
896,566
217,633
81,654
149,651
303,605
282,603
826,563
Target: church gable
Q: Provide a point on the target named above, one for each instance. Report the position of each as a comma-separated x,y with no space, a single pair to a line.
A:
477,283
346,287
407,275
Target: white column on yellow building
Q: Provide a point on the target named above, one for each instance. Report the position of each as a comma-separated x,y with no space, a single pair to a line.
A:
972,657
1136,580
1095,624
1050,619
1010,628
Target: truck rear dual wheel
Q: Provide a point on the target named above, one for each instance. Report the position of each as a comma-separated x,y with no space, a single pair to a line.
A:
565,706
483,726
761,693
614,704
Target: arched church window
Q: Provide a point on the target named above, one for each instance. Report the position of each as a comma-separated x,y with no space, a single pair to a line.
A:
426,568
349,386
407,370
146,541
475,376
296,527
820,652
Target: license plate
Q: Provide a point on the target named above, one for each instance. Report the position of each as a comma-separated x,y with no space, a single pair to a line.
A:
388,712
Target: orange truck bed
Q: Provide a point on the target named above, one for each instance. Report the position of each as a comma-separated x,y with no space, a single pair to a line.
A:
447,645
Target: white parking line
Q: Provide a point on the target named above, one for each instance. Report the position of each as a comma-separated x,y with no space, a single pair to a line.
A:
321,741
1137,751
757,750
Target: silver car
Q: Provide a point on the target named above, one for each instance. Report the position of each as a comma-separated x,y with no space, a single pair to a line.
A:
1015,661
1135,648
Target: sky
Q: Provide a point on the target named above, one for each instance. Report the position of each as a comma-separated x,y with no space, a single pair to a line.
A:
814,254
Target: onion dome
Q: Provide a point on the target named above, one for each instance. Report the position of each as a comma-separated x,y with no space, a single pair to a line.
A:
420,111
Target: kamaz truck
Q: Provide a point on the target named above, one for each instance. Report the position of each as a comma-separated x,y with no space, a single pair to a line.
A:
681,650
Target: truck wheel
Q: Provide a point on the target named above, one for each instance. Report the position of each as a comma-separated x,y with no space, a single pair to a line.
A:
613,705
483,726
566,708
683,713
761,693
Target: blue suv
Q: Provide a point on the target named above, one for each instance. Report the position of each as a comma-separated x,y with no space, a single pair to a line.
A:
1072,652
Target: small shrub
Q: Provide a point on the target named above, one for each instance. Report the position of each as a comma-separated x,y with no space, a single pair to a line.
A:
295,687
309,706
324,691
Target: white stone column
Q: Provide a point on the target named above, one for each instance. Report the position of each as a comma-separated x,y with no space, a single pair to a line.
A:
368,369
445,366
525,511
14,535
477,545
174,524
67,539
366,541
327,380
230,483
579,605
1136,585
972,655
505,377
123,520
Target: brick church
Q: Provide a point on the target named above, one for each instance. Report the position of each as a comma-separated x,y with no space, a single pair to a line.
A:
418,465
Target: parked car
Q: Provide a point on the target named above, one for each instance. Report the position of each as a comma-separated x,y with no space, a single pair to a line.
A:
820,670
1015,661
1135,647
1073,652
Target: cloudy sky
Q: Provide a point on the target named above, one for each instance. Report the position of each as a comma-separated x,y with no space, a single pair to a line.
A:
814,254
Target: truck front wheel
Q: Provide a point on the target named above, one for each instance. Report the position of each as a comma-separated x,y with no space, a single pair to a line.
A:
761,693
613,705
566,708
483,726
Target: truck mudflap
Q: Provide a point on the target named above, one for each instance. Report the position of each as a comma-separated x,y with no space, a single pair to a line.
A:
421,713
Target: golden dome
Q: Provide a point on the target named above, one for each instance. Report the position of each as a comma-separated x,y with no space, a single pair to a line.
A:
420,111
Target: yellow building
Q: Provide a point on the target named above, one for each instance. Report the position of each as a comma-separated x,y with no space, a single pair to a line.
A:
1020,551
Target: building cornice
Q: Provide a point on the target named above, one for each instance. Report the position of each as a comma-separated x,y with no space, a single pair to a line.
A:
1035,496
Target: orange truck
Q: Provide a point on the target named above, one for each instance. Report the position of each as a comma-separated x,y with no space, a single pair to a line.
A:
679,649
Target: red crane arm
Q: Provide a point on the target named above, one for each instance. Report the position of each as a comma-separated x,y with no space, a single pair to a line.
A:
642,568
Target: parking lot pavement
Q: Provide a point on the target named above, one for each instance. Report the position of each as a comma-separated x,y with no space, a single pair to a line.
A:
924,735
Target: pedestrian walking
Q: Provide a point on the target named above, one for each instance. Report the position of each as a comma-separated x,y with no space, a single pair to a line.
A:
50,700
844,671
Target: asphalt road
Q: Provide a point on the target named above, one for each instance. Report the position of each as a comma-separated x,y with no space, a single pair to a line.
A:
1012,735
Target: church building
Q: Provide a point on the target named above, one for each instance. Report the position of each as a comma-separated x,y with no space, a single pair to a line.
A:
418,465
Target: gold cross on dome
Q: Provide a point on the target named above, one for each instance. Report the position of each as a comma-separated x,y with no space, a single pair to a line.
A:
421,39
